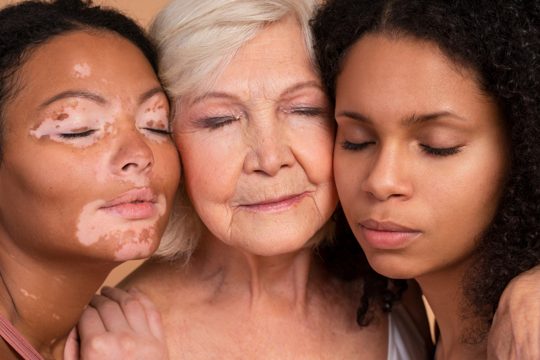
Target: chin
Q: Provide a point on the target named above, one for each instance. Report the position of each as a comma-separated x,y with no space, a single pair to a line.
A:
274,244
393,266
135,250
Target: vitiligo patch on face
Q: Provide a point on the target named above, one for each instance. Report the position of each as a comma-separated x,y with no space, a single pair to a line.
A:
127,238
82,71
154,116
62,124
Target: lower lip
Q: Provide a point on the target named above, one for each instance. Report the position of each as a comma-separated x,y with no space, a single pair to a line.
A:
278,206
388,240
133,211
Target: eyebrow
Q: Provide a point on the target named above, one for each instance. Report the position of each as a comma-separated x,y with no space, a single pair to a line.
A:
74,94
408,121
148,94
287,91
95,97
416,119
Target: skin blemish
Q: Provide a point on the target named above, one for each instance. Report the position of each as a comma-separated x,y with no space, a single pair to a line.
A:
154,117
61,117
124,237
63,124
81,71
27,294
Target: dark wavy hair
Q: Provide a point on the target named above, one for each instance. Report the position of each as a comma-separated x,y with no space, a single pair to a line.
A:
499,40
29,24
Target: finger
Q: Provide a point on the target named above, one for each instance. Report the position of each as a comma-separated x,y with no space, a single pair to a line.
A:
111,314
71,349
133,309
152,314
90,324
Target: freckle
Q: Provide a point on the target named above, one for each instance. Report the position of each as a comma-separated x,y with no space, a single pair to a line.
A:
147,110
61,117
151,123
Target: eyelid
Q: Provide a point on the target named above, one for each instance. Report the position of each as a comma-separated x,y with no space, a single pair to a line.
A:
215,122
307,110
441,151
351,146
158,131
73,135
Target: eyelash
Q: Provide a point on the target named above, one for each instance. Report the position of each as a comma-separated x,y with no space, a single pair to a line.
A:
439,152
164,132
77,135
349,146
307,111
214,123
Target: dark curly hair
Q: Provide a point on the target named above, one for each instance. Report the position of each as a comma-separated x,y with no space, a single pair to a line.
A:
500,41
29,24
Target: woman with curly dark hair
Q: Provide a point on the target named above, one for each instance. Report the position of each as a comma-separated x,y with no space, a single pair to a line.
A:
436,158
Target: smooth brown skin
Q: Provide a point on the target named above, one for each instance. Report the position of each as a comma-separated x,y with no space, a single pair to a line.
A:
258,292
448,200
48,275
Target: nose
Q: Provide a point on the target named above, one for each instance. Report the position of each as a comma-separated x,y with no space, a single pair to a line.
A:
132,155
388,175
269,148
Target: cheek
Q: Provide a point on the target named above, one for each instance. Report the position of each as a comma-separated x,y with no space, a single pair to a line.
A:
167,166
467,197
212,166
313,148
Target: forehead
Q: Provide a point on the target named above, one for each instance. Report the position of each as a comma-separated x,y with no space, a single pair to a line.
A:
382,72
83,59
275,57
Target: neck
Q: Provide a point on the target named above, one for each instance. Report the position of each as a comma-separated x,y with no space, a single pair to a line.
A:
280,280
44,298
444,292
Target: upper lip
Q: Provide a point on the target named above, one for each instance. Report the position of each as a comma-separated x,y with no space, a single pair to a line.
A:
385,226
134,195
273,200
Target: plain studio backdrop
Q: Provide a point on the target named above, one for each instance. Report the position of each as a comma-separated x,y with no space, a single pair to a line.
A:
143,11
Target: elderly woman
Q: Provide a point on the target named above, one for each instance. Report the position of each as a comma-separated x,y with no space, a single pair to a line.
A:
242,277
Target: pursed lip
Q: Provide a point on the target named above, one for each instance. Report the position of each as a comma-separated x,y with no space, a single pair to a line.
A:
139,195
387,226
387,235
275,204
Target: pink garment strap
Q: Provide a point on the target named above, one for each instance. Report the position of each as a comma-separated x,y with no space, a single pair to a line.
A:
10,334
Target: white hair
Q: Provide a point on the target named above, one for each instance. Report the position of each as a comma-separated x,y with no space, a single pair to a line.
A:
196,40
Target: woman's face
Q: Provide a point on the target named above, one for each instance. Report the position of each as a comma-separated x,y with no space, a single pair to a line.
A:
88,168
420,155
257,147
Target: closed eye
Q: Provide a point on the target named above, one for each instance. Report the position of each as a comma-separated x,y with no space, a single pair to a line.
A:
308,111
75,135
350,146
213,123
164,132
442,152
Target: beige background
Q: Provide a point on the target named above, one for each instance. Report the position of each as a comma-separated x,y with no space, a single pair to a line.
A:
143,11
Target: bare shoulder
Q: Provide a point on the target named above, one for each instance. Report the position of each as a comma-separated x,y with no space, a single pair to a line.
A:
156,278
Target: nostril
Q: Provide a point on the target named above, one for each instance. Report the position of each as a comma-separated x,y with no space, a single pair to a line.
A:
128,166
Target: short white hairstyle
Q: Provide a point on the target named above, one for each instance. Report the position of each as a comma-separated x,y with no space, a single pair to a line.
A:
196,40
